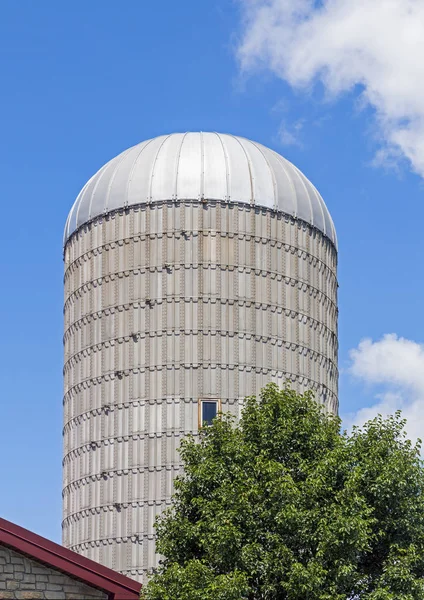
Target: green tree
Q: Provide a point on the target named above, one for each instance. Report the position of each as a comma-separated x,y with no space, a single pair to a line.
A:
283,506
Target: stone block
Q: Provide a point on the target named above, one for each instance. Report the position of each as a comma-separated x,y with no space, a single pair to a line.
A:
68,588
54,595
28,565
81,596
40,585
29,595
39,570
19,568
56,579
54,587
12,584
24,585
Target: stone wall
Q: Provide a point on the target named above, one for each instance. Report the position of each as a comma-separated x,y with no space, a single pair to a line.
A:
22,578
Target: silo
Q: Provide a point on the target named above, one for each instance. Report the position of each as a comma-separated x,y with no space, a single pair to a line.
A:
198,267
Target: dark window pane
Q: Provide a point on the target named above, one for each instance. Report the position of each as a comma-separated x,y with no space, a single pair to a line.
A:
209,410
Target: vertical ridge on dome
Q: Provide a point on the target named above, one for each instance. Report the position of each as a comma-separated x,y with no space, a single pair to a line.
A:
318,201
249,166
118,168
98,195
271,172
189,173
263,182
289,191
227,170
178,165
214,168
190,168
89,193
66,232
139,190
202,166
152,172
240,176
83,206
84,200
140,149
303,199
165,167
333,229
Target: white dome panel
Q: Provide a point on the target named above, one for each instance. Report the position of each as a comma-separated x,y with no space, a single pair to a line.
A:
285,188
192,166
140,185
189,178
263,181
215,169
239,176
165,171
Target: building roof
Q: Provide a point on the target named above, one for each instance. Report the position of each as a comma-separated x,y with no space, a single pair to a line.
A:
193,166
117,586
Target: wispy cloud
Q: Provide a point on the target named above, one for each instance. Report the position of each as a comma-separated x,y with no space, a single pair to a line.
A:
375,47
290,134
395,366
290,130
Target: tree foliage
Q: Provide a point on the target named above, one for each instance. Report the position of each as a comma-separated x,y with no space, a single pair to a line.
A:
283,506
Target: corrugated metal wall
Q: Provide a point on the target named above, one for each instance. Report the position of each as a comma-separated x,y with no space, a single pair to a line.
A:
166,304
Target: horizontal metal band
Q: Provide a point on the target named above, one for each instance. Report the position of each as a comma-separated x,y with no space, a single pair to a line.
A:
108,473
107,408
134,539
131,572
154,401
76,358
240,367
173,299
289,280
94,445
113,507
204,203
185,236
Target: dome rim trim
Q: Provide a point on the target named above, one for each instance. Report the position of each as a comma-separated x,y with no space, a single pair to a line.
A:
201,202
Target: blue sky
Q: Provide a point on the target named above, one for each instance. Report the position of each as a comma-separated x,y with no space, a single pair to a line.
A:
82,81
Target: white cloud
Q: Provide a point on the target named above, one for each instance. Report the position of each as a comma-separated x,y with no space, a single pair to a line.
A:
290,135
375,46
397,365
289,132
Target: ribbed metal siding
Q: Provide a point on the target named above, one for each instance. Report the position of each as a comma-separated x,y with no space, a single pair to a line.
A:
167,303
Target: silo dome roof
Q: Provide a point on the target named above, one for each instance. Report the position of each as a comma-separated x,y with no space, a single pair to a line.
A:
192,166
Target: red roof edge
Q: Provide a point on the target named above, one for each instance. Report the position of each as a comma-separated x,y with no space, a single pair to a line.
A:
117,586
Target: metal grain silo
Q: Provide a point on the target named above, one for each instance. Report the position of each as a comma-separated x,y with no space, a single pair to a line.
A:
198,267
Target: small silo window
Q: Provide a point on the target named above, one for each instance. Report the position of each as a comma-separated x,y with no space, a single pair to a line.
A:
208,410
